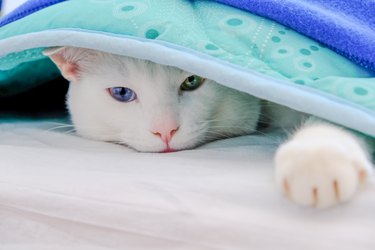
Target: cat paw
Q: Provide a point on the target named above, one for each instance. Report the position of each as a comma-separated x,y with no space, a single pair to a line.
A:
321,172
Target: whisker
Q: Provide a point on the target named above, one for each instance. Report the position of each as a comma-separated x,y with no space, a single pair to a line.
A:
261,117
69,132
59,127
57,123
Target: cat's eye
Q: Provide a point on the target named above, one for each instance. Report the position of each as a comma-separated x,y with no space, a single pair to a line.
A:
192,83
122,94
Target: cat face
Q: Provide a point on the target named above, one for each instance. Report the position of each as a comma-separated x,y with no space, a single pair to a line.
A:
147,106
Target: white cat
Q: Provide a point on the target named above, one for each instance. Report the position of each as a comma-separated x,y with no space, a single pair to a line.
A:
155,108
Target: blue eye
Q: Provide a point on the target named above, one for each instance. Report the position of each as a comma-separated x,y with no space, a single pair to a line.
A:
122,94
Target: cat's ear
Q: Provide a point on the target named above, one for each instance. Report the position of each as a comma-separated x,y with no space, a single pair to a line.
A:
69,60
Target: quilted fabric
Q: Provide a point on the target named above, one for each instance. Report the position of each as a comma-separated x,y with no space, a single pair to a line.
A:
348,27
232,46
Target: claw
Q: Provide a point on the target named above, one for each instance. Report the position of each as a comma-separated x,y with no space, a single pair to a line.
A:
315,197
287,189
337,189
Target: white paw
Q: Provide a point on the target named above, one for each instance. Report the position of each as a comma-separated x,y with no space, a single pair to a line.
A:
321,172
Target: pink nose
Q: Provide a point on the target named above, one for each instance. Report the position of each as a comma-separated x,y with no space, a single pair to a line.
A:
165,133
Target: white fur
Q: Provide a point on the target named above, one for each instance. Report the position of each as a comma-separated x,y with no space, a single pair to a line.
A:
320,165
203,115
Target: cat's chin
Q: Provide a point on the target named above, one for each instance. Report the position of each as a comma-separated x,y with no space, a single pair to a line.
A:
165,149
161,151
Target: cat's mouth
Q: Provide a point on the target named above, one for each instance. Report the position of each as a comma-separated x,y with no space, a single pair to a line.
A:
169,150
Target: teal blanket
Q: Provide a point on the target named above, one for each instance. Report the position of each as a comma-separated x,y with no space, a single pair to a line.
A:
231,46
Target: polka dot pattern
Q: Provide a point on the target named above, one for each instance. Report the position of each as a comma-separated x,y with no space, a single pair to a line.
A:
152,34
301,82
211,48
237,24
361,94
276,39
303,64
361,91
305,52
234,22
283,52
129,10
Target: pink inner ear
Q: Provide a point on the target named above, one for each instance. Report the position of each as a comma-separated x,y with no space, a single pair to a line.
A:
69,70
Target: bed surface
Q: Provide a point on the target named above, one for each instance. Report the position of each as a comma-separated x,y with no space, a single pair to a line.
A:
59,191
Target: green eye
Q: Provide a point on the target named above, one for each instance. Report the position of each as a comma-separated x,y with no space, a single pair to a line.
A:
192,83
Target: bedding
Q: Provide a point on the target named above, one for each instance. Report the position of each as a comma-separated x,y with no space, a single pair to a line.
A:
231,46
59,191
348,27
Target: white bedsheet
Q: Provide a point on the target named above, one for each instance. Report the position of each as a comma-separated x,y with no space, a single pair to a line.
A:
59,191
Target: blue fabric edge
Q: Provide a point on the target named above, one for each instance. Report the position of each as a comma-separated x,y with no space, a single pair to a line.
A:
27,8
302,98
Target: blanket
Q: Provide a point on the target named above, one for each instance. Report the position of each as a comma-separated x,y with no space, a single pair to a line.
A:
229,44
348,27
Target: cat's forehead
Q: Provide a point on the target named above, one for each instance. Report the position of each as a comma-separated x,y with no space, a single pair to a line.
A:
142,69
108,70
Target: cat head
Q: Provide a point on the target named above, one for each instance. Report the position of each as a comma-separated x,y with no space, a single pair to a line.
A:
148,106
